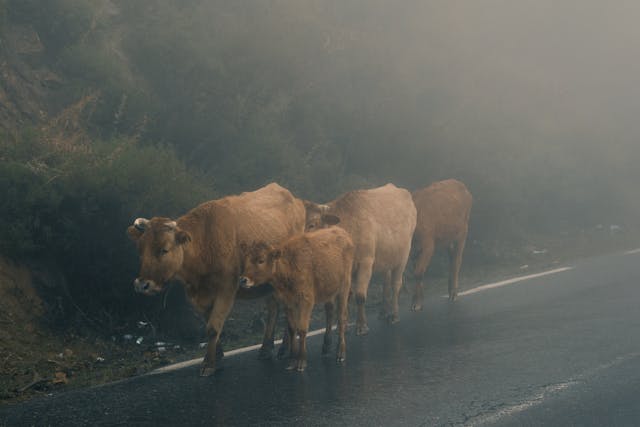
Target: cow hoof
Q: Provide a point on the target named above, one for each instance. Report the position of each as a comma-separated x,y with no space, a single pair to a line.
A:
301,366
416,307
362,330
340,360
392,319
291,366
452,297
265,354
219,353
282,352
207,372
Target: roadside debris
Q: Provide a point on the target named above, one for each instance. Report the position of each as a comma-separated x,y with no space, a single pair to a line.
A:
60,378
37,380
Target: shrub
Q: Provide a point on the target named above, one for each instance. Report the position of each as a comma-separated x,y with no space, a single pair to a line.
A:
72,208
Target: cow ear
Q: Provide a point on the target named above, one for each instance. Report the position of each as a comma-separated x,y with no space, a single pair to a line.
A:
182,237
329,219
134,233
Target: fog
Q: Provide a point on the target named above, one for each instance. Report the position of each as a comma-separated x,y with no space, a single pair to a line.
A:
112,110
532,104
543,93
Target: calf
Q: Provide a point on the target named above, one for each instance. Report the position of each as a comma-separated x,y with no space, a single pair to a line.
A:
308,269
443,221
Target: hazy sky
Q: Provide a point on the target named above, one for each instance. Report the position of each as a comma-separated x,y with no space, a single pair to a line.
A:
555,66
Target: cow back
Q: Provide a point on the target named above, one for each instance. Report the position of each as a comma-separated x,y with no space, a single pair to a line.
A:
381,222
443,211
270,214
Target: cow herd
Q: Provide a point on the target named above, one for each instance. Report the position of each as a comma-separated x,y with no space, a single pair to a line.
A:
295,253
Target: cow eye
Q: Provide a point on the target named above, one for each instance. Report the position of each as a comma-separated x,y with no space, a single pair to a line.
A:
164,251
261,261
311,227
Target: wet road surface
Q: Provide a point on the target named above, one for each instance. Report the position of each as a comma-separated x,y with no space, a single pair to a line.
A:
560,349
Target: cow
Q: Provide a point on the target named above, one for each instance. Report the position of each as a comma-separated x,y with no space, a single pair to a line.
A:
201,249
308,269
381,222
443,208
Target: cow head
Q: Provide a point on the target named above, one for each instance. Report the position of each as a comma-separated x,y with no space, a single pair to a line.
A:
318,216
161,246
259,264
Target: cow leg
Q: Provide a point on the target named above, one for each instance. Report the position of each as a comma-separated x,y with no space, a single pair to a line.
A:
386,296
293,342
266,350
301,363
343,312
328,310
285,346
455,261
363,276
396,282
221,309
424,259
303,327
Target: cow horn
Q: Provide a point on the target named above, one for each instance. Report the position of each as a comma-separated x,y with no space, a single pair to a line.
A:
324,208
141,223
171,224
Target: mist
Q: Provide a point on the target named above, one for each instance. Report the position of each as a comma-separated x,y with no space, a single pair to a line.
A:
532,104
112,110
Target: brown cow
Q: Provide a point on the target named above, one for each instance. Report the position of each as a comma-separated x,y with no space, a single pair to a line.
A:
202,250
307,269
443,221
381,222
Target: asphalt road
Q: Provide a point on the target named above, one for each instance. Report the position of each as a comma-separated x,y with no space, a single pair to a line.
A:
559,350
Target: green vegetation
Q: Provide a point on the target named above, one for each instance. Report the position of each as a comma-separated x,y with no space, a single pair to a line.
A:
72,206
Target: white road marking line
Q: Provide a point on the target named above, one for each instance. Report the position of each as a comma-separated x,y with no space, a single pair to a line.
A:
534,400
175,366
511,281
544,393
186,364
633,251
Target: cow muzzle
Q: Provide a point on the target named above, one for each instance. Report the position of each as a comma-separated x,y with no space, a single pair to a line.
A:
146,287
245,282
